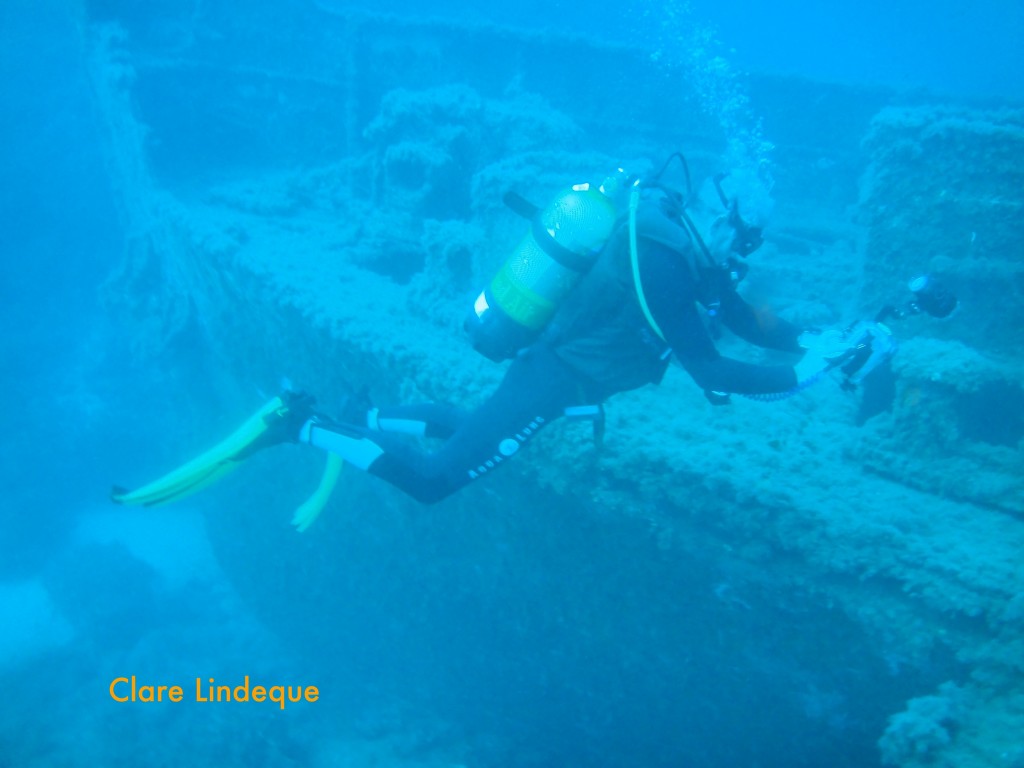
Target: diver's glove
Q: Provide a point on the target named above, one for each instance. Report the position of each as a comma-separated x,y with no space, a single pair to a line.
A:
824,351
873,347
284,423
857,350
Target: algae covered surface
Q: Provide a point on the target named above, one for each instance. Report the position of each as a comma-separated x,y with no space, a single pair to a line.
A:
205,200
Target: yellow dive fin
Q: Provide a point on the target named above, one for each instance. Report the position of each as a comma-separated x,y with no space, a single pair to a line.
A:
205,468
306,514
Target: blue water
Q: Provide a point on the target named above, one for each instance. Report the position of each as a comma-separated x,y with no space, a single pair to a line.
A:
949,46
478,640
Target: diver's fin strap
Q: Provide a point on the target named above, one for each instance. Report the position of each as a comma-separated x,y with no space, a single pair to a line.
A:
355,445
520,205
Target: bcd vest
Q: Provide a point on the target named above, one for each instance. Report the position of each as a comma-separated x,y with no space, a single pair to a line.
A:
600,330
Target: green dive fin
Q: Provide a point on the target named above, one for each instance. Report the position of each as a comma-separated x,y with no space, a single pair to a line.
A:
205,468
310,510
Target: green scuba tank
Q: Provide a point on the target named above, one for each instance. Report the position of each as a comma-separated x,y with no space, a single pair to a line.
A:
561,246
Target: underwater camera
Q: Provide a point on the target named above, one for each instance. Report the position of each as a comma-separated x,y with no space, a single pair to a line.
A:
931,297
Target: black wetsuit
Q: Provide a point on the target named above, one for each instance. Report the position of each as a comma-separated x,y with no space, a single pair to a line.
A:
584,358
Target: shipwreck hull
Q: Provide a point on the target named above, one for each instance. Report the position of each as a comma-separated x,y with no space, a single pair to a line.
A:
331,219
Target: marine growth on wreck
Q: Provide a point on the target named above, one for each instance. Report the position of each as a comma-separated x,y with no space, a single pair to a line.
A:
313,192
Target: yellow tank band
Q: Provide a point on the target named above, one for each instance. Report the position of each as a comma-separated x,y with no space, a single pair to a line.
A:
522,305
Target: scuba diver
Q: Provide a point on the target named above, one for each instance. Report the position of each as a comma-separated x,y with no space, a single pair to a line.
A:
611,283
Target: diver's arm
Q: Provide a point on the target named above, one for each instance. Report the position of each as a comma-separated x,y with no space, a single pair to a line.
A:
759,327
727,376
671,297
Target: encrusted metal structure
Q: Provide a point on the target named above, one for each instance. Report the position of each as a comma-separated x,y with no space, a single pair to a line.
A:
318,193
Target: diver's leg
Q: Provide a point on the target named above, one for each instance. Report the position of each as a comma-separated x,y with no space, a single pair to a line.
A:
536,390
435,420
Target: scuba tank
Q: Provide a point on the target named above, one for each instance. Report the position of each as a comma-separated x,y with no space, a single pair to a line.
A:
560,248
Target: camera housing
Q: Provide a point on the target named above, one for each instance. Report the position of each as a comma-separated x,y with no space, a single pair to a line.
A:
932,298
